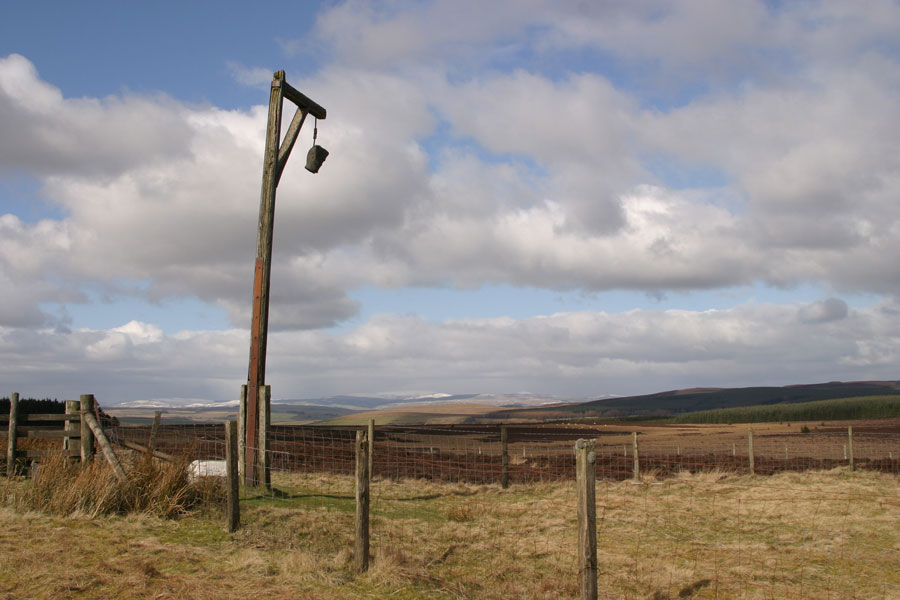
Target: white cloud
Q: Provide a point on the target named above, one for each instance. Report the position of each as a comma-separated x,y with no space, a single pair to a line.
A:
583,353
471,151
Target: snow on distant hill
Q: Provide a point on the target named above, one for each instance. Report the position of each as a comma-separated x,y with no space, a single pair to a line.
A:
366,402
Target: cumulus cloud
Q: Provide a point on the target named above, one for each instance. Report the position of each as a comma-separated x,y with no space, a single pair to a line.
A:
823,311
449,168
45,133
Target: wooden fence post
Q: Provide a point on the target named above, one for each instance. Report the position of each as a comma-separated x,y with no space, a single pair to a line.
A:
750,451
637,464
232,502
242,432
361,548
504,457
13,433
105,446
585,482
264,459
850,447
154,431
87,440
371,449
69,427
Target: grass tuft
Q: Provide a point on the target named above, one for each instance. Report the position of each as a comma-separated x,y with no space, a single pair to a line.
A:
63,487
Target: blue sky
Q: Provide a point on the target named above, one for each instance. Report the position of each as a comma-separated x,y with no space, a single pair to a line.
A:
571,199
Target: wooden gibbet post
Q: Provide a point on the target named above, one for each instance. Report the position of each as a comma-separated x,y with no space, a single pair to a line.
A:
361,548
850,447
585,482
274,160
371,449
88,405
232,500
750,451
504,457
13,433
637,462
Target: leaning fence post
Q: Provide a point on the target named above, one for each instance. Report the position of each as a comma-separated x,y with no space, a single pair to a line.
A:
637,464
13,432
87,439
232,502
850,447
105,446
361,548
504,457
585,483
750,451
371,449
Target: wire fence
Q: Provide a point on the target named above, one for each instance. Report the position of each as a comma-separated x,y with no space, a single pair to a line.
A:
474,454
694,524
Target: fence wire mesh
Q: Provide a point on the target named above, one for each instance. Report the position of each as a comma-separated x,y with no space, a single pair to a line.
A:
694,524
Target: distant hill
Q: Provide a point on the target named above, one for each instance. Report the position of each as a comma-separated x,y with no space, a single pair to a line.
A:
676,402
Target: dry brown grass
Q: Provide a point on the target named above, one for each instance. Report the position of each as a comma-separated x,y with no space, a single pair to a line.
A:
716,535
63,487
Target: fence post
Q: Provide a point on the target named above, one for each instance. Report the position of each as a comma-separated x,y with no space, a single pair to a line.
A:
69,427
504,457
361,548
850,447
154,431
232,502
585,483
105,446
242,432
13,432
637,464
87,437
371,449
263,458
750,451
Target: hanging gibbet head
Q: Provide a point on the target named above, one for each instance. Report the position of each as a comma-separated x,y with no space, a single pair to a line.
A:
315,157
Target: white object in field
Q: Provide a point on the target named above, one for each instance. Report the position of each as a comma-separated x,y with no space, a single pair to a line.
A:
206,468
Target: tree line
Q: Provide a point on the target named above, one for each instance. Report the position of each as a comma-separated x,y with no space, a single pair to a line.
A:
867,407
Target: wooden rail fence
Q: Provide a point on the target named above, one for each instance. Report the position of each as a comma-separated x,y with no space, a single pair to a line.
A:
75,434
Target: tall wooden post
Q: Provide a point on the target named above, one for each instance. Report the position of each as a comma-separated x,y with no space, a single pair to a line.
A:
13,433
585,482
274,160
504,457
361,547
232,502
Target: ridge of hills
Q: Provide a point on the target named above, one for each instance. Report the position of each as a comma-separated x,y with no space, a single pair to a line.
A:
676,402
